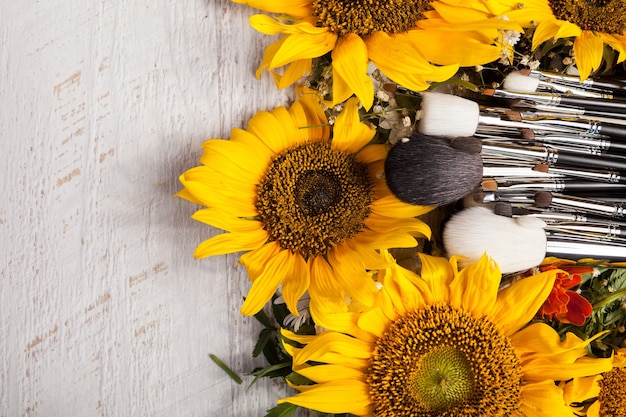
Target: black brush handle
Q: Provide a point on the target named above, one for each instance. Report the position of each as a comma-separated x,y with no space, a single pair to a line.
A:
614,85
613,106
594,186
590,161
612,130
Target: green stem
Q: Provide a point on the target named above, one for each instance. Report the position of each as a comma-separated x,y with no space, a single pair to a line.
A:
608,299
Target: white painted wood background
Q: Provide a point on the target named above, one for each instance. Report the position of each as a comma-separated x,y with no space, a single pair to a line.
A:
104,311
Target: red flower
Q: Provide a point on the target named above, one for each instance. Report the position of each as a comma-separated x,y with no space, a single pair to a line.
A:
563,304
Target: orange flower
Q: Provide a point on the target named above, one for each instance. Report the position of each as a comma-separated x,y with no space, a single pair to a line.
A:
563,304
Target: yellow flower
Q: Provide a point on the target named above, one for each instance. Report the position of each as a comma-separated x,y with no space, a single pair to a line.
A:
601,395
311,209
443,344
592,25
388,33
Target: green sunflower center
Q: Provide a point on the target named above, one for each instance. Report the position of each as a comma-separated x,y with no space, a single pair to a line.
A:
363,17
442,361
608,16
313,197
613,393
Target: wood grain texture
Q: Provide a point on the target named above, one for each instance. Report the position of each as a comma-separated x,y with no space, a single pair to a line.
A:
104,311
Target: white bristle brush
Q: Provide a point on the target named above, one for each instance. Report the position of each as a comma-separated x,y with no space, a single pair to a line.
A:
521,82
454,116
516,244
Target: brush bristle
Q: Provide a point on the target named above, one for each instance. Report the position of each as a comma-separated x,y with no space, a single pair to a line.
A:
468,144
503,209
527,134
541,168
514,115
427,171
543,198
513,246
448,115
520,83
489,184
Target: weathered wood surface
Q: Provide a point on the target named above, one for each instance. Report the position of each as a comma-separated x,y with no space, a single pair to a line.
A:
104,311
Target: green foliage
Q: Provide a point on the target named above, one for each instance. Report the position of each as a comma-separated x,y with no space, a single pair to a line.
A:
607,294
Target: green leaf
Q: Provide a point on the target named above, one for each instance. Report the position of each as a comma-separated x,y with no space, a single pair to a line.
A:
282,410
264,339
263,319
272,371
226,369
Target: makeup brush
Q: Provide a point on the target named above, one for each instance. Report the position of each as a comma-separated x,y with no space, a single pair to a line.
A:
615,108
553,185
581,124
614,86
589,174
552,157
555,216
591,143
454,116
577,249
515,244
431,171
602,208
521,82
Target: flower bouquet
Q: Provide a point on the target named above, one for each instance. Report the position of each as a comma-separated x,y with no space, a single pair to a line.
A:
433,226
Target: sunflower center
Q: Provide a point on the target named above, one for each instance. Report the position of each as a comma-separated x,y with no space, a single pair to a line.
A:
608,16
442,361
363,17
313,197
443,379
613,393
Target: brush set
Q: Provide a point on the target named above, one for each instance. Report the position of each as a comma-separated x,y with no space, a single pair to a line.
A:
542,162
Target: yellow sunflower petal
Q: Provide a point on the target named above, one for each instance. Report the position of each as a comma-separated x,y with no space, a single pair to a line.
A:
268,55
350,135
300,338
525,297
295,8
398,58
540,369
350,61
582,389
351,274
224,155
551,29
269,26
340,396
303,45
543,399
295,283
437,272
266,284
238,206
255,260
295,71
230,243
277,134
588,48
391,206
220,219
476,287
451,48
326,373
334,348
372,153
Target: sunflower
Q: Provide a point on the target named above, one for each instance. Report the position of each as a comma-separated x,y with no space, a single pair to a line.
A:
602,395
445,343
309,208
592,24
388,33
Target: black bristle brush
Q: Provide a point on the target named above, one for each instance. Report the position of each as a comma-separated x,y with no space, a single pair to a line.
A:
433,170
